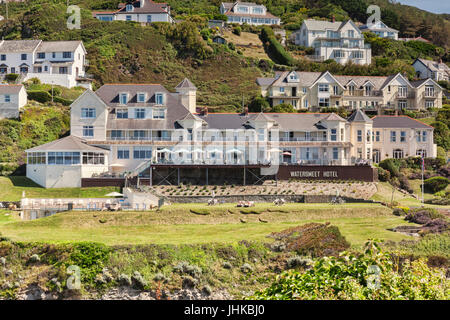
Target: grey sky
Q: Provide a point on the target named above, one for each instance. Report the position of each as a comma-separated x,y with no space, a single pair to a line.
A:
436,6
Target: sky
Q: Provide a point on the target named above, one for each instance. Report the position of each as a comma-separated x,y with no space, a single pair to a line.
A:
436,6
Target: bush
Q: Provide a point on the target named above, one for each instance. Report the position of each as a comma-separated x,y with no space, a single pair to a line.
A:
202,212
258,104
391,166
237,30
383,175
39,96
436,184
64,102
274,49
11,77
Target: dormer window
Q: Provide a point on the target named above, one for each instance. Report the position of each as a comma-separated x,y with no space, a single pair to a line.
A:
141,97
123,98
159,98
129,7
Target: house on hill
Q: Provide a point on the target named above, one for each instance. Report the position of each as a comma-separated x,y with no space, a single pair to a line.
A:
142,11
341,41
431,69
381,30
12,98
249,13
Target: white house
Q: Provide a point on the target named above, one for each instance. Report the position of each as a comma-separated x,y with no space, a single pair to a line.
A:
12,98
381,30
142,11
53,62
248,12
340,41
431,69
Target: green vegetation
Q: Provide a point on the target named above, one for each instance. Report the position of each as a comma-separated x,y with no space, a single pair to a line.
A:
436,184
274,49
371,275
11,189
175,224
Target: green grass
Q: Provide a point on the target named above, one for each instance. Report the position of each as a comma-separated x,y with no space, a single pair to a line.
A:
176,225
384,194
11,189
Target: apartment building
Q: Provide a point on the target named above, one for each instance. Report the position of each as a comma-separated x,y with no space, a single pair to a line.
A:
341,41
54,62
249,13
146,131
315,90
142,11
12,98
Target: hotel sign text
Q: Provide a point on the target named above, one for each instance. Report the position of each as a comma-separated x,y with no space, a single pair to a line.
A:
314,174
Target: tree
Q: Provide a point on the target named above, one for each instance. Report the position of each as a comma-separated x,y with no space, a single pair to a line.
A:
441,134
283,108
259,104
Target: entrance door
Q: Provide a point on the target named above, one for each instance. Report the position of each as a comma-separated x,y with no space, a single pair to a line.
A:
376,155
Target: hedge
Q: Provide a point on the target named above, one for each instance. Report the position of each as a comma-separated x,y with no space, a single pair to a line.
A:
275,50
436,184
65,102
39,96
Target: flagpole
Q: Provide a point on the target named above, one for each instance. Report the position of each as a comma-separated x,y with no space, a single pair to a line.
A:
423,166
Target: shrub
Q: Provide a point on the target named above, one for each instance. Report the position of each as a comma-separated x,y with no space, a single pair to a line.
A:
11,77
64,102
39,96
298,261
274,49
202,212
237,30
383,175
185,268
391,166
246,268
436,184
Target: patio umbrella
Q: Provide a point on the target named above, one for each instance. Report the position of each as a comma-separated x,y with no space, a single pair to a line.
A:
287,153
274,150
114,194
165,150
116,165
234,151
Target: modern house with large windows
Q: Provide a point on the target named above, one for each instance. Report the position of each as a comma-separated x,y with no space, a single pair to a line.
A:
380,29
249,13
124,132
54,62
341,41
315,90
142,11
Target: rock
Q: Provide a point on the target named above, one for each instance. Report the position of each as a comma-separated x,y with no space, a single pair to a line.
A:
246,268
206,290
124,280
138,281
189,283
3,261
35,258
227,265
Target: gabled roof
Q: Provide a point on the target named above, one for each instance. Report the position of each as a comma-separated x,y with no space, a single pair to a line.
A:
421,82
398,122
323,75
264,82
334,117
378,26
149,7
359,116
70,143
17,46
391,78
10,88
262,117
186,83
433,65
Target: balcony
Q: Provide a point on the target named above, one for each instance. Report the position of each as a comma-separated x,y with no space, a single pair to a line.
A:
362,93
430,95
407,95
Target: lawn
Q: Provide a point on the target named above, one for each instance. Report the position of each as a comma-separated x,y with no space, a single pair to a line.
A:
11,189
177,225
384,194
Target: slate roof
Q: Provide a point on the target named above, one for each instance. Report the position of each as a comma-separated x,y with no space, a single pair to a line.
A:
435,66
398,122
70,143
17,46
186,83
149,7
109,94
10,88
230,10
359,116
58,46
312,24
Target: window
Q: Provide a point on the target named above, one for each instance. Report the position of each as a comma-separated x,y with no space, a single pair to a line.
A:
41,55
257,10
142,152
393,136
421,153
324,102
149,18
159,113
23,69
139,113
128,18
281,89
403,136
129,7
377,136
335,90
323,87
63,70
397,154
138,135
339,54
88,113
429,104
351,33
424,136
368,136
116,135
159,99
335,153
122,113
45,68
66,158
359,135
123,98
359,151
3,57
36,158
23,56
53,55
7,98
342,134
67,54
123,153
333,134
429,90
358,55
141,97
88,131
93,158
402,104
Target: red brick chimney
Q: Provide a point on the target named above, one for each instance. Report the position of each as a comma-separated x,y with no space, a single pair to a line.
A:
333,18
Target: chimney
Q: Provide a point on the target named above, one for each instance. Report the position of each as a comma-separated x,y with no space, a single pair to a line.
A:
246,111
188,95
333,18
205,111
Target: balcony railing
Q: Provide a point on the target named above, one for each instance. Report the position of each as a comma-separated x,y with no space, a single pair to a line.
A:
432,94
363,93
407,95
